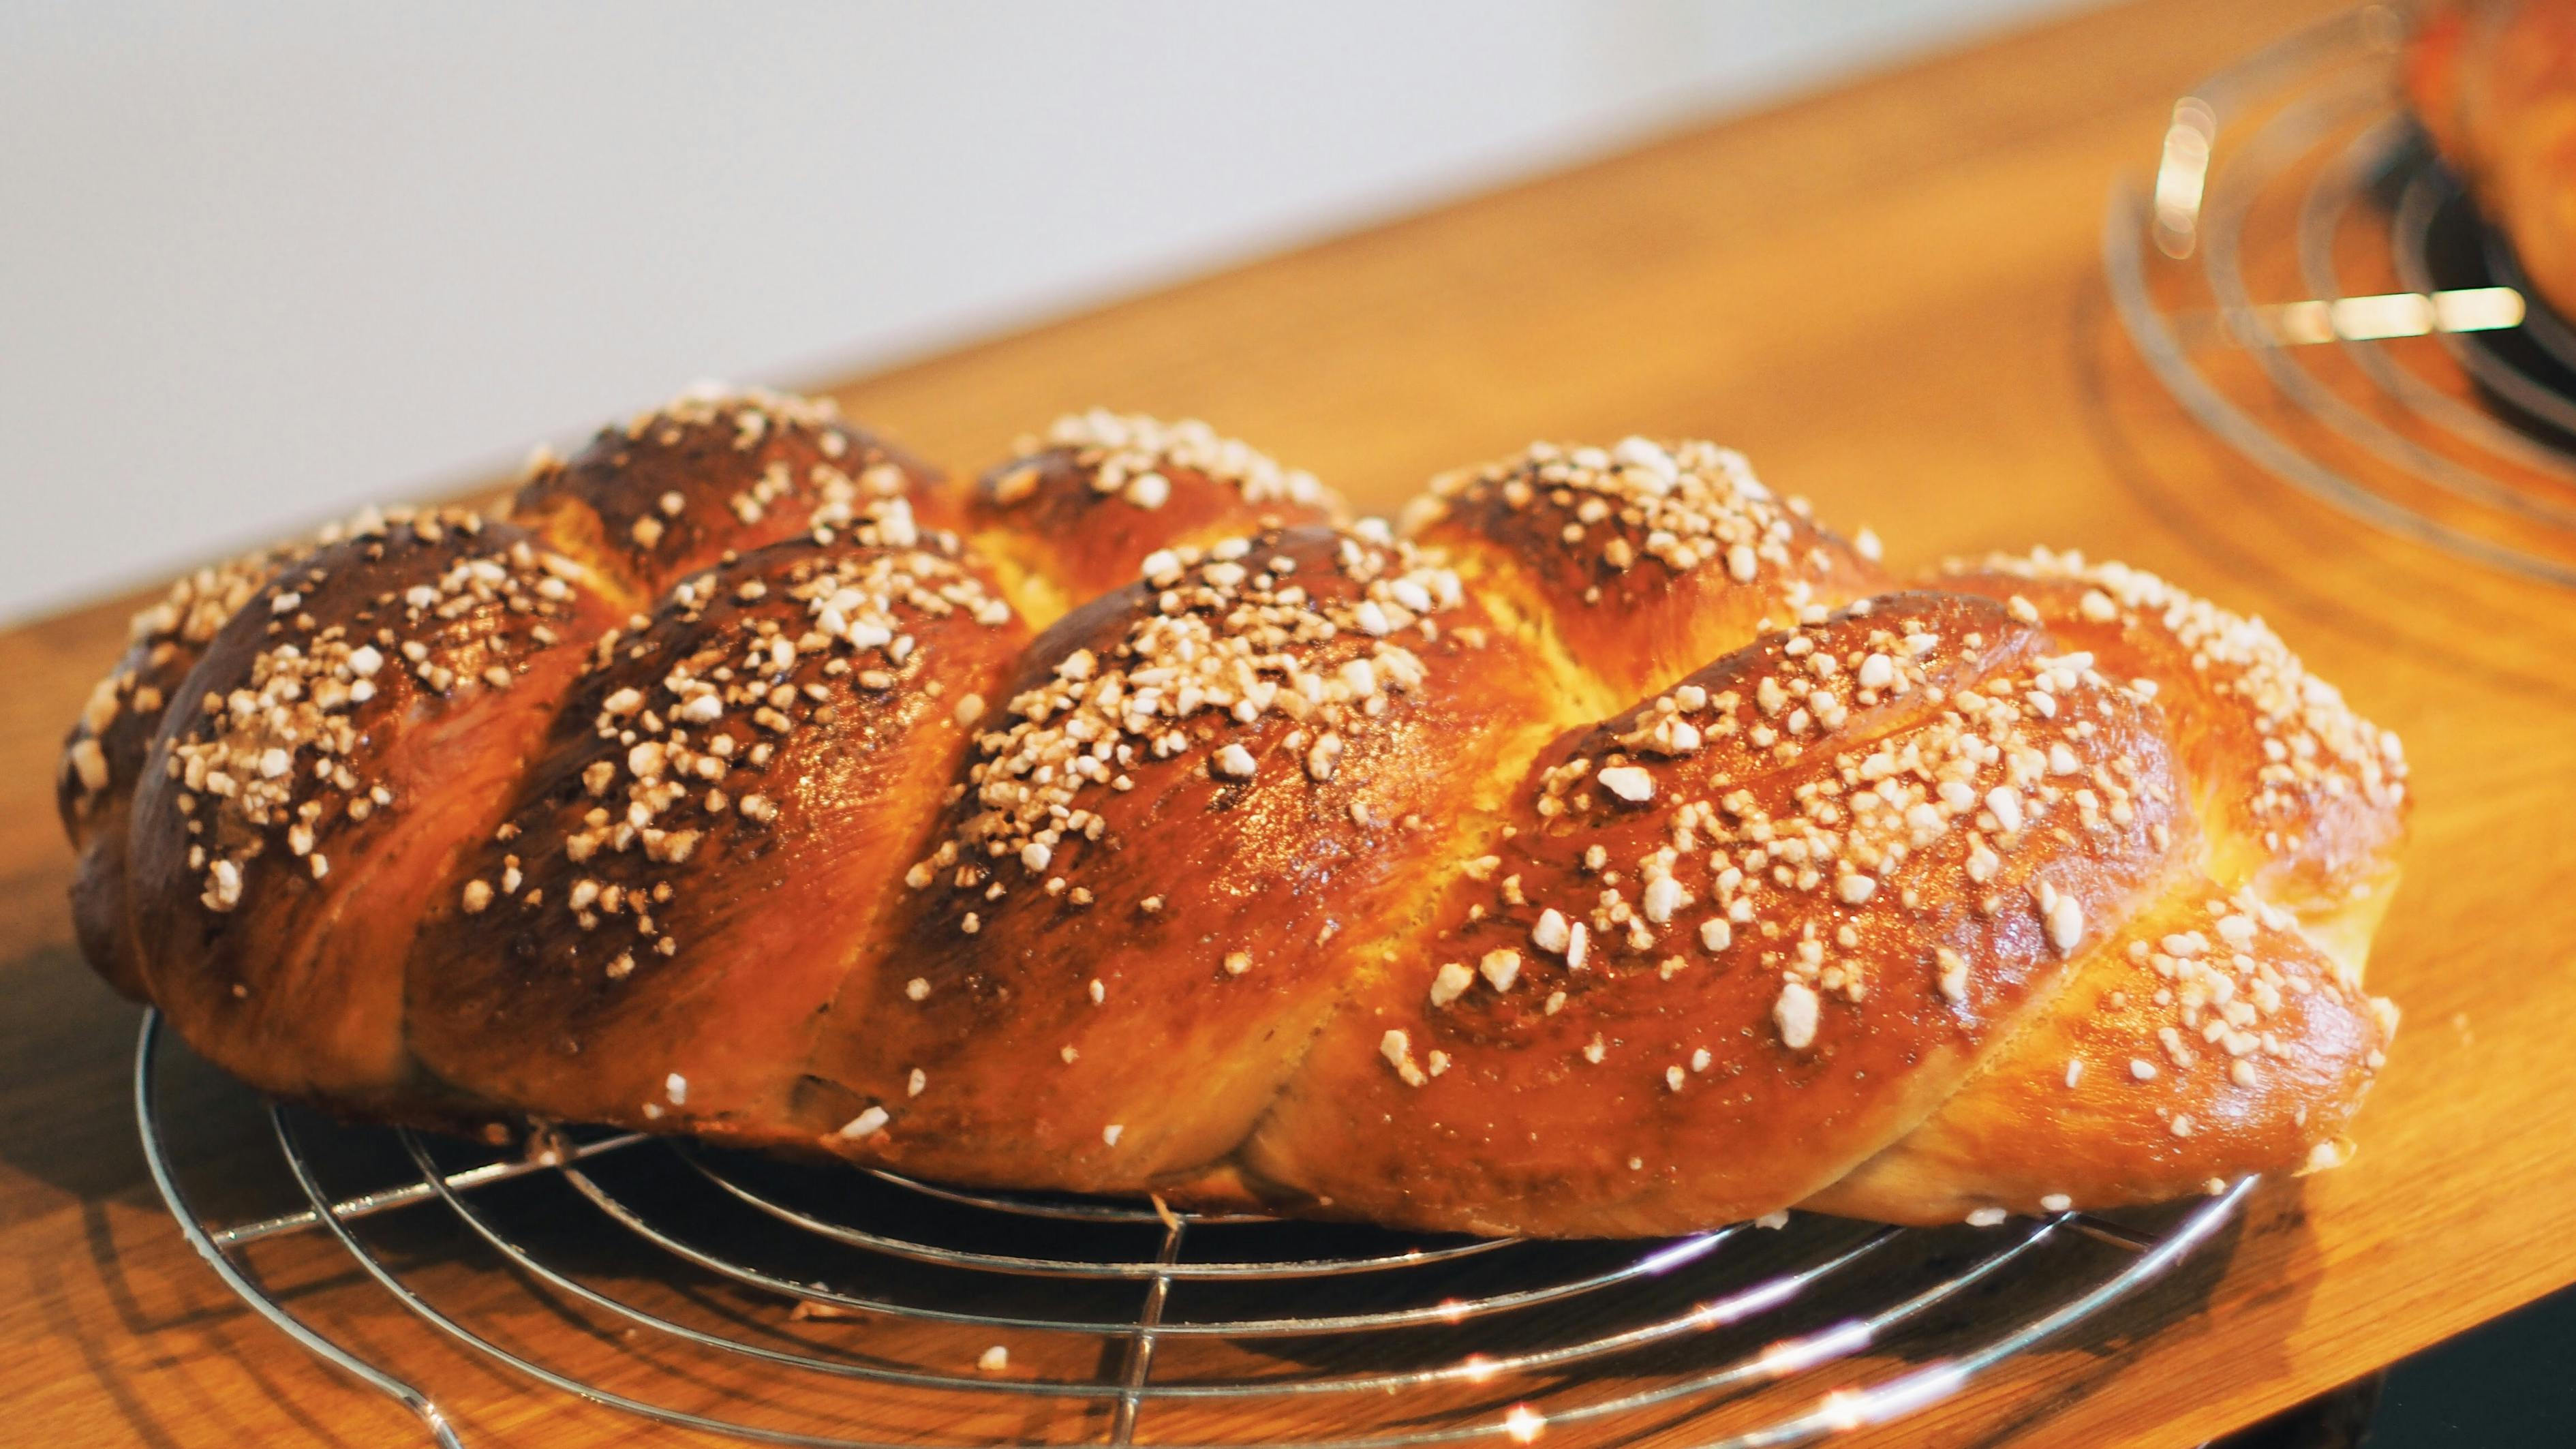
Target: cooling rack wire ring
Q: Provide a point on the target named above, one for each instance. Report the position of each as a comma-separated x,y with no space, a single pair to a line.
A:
1128,1390
2322,99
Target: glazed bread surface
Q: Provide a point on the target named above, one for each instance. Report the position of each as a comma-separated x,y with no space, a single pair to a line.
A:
2494,84
1609,850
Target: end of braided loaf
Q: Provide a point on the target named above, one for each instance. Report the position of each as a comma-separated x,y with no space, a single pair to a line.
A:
1613,851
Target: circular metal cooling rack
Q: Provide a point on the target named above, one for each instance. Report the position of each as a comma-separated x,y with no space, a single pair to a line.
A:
2309,281
828,1306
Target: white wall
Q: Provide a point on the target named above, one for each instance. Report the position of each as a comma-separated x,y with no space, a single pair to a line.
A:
262,261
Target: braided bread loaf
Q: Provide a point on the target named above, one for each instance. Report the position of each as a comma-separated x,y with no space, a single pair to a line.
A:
2494,84
1130,822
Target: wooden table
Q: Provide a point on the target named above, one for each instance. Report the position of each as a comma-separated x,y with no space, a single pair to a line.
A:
1890,297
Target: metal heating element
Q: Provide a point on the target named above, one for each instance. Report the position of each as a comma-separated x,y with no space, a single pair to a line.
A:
2309,281
831,1306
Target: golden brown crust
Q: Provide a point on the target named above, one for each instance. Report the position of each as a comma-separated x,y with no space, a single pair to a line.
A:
1613,855
1075,514
1200,817
704,850
2298,794
2494,82
343,735
2429,73
2204,1039
711,473
103,755
1773,915
1638,563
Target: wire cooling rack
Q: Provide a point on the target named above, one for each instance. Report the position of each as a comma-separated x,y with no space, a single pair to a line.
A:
2309,281
829,1306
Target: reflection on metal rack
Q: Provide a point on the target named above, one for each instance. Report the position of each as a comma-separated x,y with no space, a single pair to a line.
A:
1567,1335
2436,414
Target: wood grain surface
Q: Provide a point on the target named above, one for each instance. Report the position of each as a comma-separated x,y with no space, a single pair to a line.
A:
1890,296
